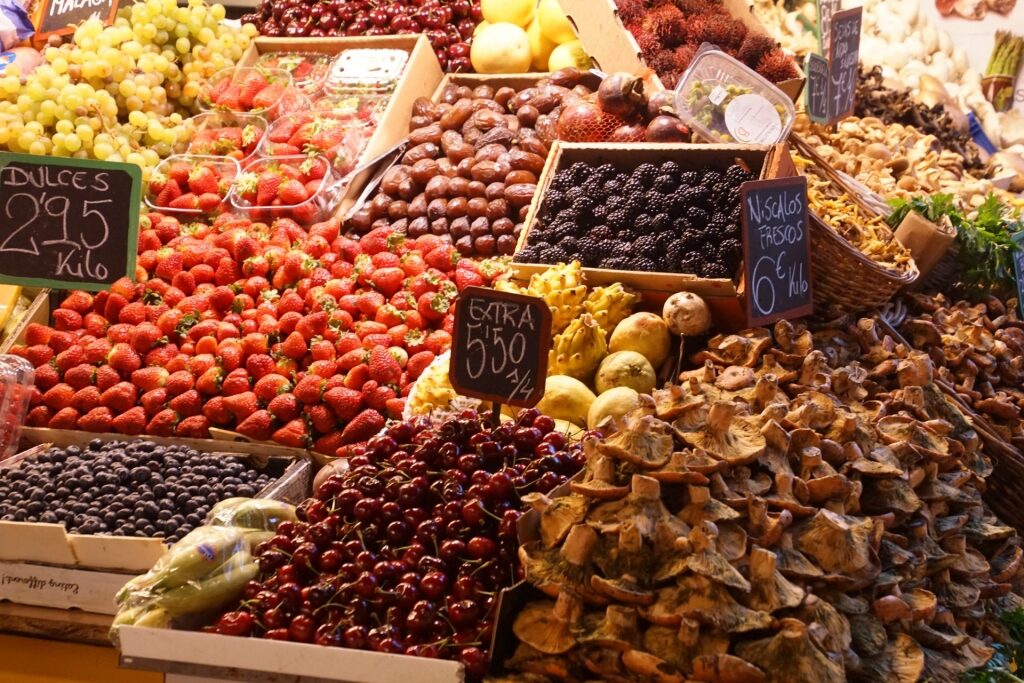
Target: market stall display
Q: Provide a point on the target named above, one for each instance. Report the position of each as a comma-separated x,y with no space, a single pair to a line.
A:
780,436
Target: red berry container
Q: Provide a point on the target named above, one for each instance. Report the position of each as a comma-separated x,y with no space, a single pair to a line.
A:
308,69
225,167
325,193
342,151
361,108
217,94
202,131
16,379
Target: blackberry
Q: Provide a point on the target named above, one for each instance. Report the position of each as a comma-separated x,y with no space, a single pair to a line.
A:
601,232
670,168
714,269
665,184
674,253
689,178
690,263
732,198
629,235
645,173
661,204
644,223
536,237
720,191
647,246
529,254
711,177
717,229
571,244
555,201
688,196
617,263
558,232
579,172
608,247
661,222
735,175
634,204
645,265
615,203
665,240
697,215
681,225
599,213
569,215
574,194
729,249
589,250
555,254
606,171
584,204
691,239
632,186
612,187
618,220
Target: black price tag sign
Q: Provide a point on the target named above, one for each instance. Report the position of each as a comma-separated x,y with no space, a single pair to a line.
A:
68,222
500,346
826,10
1018,267
817,99
776,249
61,17
843,65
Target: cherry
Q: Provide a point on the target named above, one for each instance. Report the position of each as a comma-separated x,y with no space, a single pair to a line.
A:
433,585
302,629
475,660
328,634
275,618
481,548
235,624
365,585
277,634
355,637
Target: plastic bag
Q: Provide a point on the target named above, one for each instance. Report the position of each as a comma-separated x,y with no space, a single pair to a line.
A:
206,570
15,25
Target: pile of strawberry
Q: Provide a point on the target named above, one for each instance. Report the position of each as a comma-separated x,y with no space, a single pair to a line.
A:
191,185
283,188
250,89
280,333
237,142
316,132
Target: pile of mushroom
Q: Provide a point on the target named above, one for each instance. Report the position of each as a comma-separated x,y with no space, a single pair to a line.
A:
803,508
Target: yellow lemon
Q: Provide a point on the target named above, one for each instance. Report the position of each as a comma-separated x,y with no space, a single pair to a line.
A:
553,22
540,46
568,55
501,48
518,12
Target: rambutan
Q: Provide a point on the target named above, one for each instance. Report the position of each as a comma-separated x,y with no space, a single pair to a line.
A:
777,66
631,10
666,22
663,62
697,7
754,47
684,54
648,43
725,32
696,27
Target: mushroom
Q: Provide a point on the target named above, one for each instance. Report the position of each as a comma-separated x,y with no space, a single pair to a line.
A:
735,378
675,400
677,471
537,666
622,589
557,515
728,437
770,591
902,661
706,561
651,668
897,430
888,494
795,343
840,544
616,630
566,567
766,527
791,657
547,626
681,647
724,668
744,348
702,507
646,442
706,601
599,481
812,409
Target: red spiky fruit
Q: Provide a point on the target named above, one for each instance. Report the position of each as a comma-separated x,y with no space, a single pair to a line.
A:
754,47
777,66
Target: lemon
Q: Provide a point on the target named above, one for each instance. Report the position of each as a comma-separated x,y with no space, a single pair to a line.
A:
553,23
540,46
568,55
518,12
501,48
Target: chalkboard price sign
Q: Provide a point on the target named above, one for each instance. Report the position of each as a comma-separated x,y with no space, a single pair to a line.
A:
843,67
1018,267
818,100
826,10
67,222
500,346
61,17
776,249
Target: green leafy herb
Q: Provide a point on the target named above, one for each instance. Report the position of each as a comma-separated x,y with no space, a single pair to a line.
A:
1005,664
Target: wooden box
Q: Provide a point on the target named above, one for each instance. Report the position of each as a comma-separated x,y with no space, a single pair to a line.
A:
724,296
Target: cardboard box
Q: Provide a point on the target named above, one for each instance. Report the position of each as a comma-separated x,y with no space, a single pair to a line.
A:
724,296
420,78
51,544
613,47
928,242
210,657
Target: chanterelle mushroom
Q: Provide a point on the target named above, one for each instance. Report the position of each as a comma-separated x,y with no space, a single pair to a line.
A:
841,544
769,590
706,601
728,437
557,515
645,441
548,626
791,657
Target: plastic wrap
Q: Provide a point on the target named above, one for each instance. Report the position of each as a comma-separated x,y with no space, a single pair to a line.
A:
205,571
15,24
16,379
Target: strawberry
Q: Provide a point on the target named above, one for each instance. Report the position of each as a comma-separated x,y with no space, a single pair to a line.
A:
153,401
357,377
259,365
170,264
106,377
321,419
124,358
242,405
284,407
59,396
120,397
379,397
236,382
443,258
97,420
418,362
438,342
208,202
66,418
39,416
37,334
78,301
145,336
468,278
179,382
163,423
258,426
383,366
433,306
216,412
64,319
61,341
268,96
395,408
309,389
203,179
269,386
251,86
328,444
187,201
266,188
363,426
294,346
186,404
293,435
210,381
346,403
193,427
135,312
47,377
80,376
131,421
380,239
147,379
292,192
387,280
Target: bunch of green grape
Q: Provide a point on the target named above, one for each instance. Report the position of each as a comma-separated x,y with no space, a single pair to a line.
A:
121,92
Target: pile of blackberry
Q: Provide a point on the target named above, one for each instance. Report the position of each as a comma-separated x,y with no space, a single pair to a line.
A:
655,218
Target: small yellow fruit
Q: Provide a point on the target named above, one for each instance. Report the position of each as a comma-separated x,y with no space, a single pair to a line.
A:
569,55
553,22
540,47
566,398
611,404
480,27
501,48
645,333
518,12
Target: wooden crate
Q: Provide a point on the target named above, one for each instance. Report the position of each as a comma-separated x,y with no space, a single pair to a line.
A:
724,296
613,47
37,312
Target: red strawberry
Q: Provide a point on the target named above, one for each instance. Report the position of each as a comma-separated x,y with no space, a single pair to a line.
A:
284,407
96,352
169,265
135,312
433,306
187,201
346,403
40,416
387,280
252,84
95,324
209,382
147,379
153,401
292,192
187,404
163,423
438,342
106,377
61,341
124,358
237,382
396,408
259,365
78,301
363,426
120,397
37,334
468,278
208,202
69,358
418,362
269,386
443,258
357,377
66,320
131,421
59,396
216,412
97,420
80,376
179,382
321,418
266,188
112,308
203,179
258,426
242,405
328,444
294,346
47,377
168,193
383,366
268,96
293,435
309,389
379,397
193,427
66,418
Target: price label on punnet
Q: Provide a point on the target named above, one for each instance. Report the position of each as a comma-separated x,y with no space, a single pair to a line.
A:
67,222
776,249
500,346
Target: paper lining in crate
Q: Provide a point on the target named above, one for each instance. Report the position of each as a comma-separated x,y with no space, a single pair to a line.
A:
51,544
420,77
723,295
613,48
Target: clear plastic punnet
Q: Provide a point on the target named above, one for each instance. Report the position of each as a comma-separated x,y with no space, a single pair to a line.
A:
223,133
225,168
248,89
308,69
324,188
726,102
16,379
338,139
366,70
